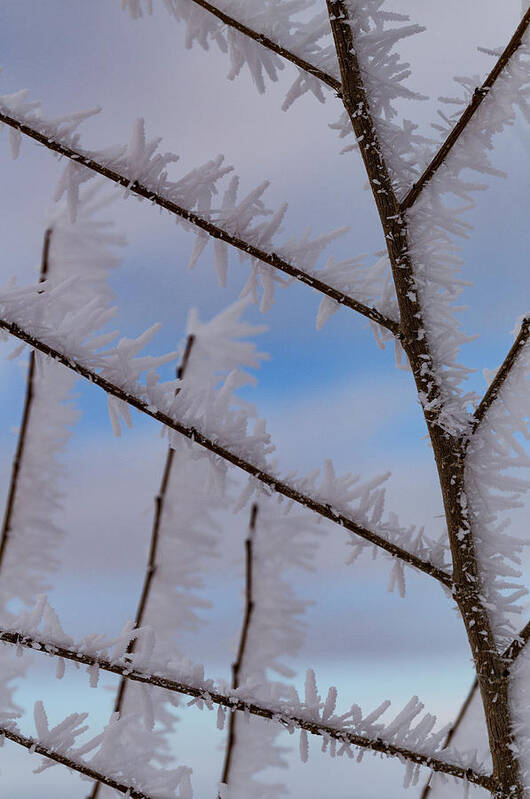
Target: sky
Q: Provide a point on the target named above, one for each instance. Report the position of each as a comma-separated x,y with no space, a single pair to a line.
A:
328,394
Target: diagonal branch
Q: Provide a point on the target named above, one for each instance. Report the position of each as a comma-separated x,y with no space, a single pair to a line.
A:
232,702
450,735
231,22
478,96
236,666
270,258
153,551
509,655
74,765
28,401
497,383
195,435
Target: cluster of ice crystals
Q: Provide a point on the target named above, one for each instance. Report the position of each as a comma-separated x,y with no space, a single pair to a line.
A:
493,488
371,285
364,502
64,127
519,701
111,754
285,23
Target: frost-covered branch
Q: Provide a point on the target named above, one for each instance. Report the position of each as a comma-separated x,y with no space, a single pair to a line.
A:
236,666
28,401
450,735
231,701
422,260
474,104
193,434
504,370
237,29
518,644
260,38
34,746
135,187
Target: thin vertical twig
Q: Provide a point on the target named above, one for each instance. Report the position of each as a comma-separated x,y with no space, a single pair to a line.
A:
153,549
26,414
236,666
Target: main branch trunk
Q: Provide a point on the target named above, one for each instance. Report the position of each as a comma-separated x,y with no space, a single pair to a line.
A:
448,450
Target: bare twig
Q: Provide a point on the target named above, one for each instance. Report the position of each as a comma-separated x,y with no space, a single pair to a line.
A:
74,765
450,735
478,96
213,230
28,402
329,80
323,509
236,666
153,549
232,702
498,381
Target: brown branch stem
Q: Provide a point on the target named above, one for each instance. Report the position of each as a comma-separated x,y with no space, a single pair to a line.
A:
479,95
195,435
134,187
237,665
74,765
26,414
448,448
232,702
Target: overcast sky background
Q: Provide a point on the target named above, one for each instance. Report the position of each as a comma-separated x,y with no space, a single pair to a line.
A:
327,394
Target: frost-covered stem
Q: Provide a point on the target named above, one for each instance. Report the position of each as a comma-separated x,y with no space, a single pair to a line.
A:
271,258
236,666
496,384
450,735
517,645
153,549
28,401
231,22
322,508
289,720
74,765
474,104
448,450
